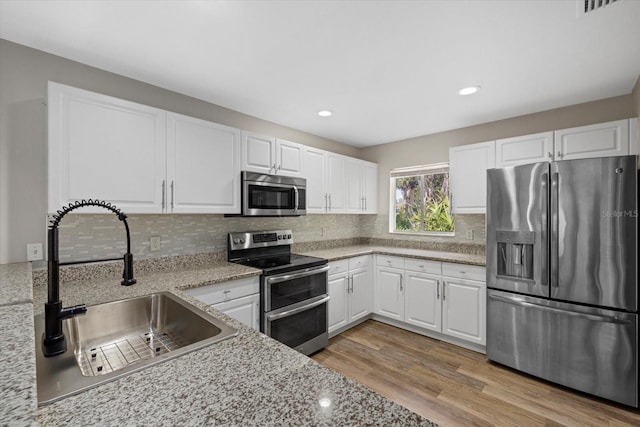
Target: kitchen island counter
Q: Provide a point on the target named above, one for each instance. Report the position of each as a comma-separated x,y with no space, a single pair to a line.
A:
249,379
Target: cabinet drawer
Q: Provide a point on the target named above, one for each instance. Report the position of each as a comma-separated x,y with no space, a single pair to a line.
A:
390,261
337,267
220,292
423,266
463,271
359,262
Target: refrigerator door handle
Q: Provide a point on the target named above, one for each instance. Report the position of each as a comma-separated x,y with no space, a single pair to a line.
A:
522,303
554,247
544,219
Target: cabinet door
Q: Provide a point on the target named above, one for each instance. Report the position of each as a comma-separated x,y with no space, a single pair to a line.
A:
422,301
258,153
315,168
599,140
468,166
105,148
203,166
370,190
389,295
360,294
336,183
524,149
463,309
353,182
634,141
290,158
338,304
245,310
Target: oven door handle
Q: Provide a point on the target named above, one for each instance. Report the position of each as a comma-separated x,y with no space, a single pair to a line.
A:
304,273
272,317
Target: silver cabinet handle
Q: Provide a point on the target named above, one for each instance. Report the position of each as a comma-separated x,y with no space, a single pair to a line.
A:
550,154
279,167
272,317
273,167
437,289
365,203
401,283
329,201
164,184
559,154
326,202
444,287
172,195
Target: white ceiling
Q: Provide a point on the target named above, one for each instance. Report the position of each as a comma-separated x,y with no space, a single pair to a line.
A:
389,70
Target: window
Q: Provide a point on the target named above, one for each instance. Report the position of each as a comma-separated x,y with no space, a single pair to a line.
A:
420,200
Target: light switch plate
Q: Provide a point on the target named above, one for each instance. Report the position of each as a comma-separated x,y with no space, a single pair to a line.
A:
470,234
34,251
154,243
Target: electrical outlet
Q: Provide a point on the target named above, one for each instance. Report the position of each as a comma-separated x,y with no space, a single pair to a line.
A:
155,243
470,234
34,251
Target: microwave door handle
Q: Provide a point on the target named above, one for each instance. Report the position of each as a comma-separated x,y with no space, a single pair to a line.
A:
295,199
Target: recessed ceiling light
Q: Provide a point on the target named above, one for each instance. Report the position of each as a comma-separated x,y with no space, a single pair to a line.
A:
324,113
469,90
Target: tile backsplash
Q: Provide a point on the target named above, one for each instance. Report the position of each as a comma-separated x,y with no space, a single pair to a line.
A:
94,236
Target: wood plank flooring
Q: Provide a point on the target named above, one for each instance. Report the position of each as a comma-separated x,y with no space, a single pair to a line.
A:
453,386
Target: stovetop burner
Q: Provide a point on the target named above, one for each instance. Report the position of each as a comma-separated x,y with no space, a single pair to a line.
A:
269,251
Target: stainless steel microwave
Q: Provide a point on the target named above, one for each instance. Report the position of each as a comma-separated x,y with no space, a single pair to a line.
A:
273,195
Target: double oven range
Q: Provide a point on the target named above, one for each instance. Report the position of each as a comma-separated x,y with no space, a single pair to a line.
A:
293,288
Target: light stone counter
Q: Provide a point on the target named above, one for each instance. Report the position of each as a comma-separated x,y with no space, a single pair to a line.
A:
335,254
249,379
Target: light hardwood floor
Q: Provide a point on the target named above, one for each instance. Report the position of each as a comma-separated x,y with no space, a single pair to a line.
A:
453,386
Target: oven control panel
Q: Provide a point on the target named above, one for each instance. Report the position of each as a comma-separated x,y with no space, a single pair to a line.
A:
259,239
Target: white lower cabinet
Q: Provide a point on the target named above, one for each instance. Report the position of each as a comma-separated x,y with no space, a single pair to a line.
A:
350,288
464,302
245,309
445,298
239,299
422,300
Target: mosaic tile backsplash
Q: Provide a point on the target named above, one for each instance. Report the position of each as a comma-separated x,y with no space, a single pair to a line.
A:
94,236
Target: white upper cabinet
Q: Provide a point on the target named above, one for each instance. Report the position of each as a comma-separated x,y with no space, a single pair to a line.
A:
336,185
599,140
203,164
290,158
265,154
258,153
105,148
142,159
353,183
468,166
524,149
370,190
315,167
634,141
362,186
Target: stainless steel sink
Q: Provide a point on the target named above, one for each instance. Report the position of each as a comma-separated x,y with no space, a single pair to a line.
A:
116,338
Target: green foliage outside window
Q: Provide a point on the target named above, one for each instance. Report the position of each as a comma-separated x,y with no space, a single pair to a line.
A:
422,203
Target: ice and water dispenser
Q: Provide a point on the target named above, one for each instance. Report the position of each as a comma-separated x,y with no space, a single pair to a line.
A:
515,254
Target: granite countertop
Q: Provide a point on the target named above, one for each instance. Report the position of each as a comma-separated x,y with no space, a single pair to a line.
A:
249,379
335,254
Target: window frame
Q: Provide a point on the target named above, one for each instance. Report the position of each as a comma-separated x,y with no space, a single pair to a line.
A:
421,170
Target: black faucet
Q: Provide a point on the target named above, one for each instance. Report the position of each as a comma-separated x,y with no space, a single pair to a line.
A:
53,341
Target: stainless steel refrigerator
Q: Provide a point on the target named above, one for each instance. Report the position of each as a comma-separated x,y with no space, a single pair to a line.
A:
562,257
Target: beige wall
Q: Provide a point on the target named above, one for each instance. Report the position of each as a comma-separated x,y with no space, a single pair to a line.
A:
434,148
24,73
